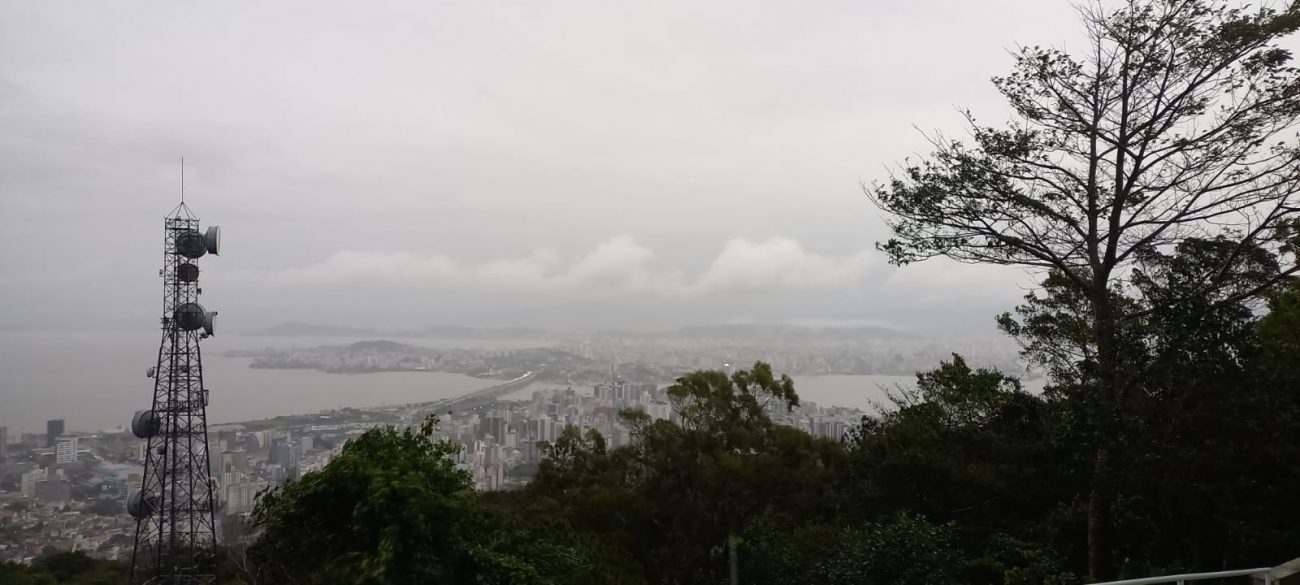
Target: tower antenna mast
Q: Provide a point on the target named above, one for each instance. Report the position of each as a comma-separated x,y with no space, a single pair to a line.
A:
175,535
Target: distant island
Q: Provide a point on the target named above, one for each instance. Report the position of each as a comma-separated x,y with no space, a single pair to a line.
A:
299,329
781,332
363,357
459,332
646,356
756,331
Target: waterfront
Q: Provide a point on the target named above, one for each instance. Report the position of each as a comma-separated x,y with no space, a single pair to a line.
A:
96,380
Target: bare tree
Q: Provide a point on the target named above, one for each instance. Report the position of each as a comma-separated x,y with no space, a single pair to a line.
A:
1177,124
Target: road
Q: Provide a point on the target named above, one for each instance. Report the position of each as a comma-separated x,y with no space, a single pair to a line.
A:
473,400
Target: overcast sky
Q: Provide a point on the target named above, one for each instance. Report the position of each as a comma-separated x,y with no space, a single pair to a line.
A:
561,164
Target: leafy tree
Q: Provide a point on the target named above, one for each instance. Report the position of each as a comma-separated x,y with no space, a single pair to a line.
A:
387,510
76,568
1171,125
393,508
16,574
902,549
681,496
572,458
1189,354
66,568
1279,334
1209,475
968,447
1272,421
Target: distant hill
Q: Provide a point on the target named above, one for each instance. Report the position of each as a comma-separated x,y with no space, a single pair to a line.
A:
299,329
790,332
459,332
383,345
741,331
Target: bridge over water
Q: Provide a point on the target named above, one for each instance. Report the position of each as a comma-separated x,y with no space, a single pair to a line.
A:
474,400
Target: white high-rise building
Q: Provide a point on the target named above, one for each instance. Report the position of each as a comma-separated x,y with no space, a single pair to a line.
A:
228,478
241,498
65,450
30,480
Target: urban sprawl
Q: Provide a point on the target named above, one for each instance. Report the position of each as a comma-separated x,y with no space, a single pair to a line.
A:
64,490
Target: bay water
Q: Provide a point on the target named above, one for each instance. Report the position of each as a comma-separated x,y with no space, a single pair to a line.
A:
95,380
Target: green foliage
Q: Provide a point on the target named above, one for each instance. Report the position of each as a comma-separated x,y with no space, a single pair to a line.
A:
64,568
1151,178
966,479
1280,333
676,495
969,447
1212,433
393,508
390,509
573,457
902,549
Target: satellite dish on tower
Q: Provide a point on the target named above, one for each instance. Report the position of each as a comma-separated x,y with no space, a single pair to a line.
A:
212,240
142,504
187,272
145,424
192,316
192,244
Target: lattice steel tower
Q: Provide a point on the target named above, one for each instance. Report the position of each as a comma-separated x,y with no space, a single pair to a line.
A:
175,536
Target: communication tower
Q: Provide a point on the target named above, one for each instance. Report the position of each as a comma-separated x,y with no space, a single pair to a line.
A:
175,536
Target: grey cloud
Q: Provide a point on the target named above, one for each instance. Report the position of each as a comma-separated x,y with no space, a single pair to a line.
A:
483,153
618,265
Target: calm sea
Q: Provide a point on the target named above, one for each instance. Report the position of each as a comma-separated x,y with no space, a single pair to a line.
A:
96,380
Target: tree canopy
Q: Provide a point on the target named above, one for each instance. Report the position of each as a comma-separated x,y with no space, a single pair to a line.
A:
393,508
67,568
1157,167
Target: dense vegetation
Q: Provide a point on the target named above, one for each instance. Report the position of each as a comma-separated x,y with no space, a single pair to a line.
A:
68,568
967,479
1151,179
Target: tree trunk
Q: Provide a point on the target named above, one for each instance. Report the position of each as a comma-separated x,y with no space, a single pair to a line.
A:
1099,499
1103,409
735,561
